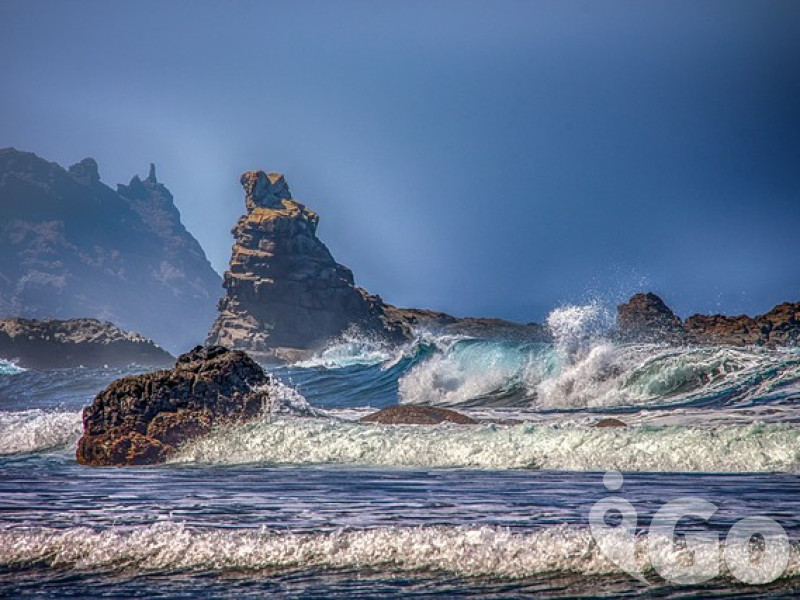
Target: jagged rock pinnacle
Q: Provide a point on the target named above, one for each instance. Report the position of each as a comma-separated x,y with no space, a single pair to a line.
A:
86,171
265,190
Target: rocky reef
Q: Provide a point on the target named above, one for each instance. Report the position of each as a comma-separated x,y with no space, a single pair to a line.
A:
645,317
70,247
52,344
283,287
143,419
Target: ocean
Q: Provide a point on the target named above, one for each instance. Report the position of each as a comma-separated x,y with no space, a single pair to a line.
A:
325,506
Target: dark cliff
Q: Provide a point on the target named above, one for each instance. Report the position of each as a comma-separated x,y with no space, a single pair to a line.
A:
73,247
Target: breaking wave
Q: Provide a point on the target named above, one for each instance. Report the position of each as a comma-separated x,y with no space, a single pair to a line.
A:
465,551
297,441
7,367
584,368
38,431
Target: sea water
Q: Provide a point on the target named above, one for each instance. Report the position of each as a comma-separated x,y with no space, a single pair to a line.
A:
308,502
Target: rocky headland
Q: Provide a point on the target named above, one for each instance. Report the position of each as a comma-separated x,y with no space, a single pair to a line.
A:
646,318
71,247
53,344
143,419
286,295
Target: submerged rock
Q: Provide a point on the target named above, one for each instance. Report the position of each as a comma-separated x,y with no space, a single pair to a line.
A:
53,344
143,419
610,422
412,414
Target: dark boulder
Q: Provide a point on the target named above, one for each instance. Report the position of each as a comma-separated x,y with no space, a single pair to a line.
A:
143,419
646,318
412,414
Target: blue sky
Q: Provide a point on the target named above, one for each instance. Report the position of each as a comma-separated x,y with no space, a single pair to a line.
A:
481,158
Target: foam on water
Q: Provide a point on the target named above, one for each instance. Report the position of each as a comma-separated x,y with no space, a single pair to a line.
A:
733,448
38,430
8,367
584,368
466,551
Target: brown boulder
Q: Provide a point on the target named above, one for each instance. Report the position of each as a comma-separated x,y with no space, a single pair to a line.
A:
412,414
646,318
610,422
142,419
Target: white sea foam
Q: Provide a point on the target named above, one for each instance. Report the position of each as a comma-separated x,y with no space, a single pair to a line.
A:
37,430
354,347
583,368
734,448
8,367
465,551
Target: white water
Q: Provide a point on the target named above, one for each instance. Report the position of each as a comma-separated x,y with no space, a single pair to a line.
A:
466,551
8,367
37,430
583,368
733,448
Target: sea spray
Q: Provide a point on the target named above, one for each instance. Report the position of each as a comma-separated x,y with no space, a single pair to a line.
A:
38,430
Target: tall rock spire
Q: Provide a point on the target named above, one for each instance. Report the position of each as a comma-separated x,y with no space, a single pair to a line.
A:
284,289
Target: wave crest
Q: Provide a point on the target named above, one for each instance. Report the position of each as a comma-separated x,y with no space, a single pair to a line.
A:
733,448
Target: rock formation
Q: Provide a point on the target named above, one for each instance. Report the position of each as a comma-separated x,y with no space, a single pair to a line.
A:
53,344
284,289
412,414
143,419
285,292
646,318
70,246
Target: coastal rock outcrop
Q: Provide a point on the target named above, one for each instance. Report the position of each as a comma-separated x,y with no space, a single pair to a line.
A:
413,414
143,419
645,317
72,247
283,288
52,344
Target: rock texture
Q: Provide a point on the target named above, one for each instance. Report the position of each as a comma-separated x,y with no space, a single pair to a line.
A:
70,246
286,295
53,344
283,287
646,318
412,414
143,419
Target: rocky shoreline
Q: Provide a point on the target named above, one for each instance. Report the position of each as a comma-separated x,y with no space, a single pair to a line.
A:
54,344
646,318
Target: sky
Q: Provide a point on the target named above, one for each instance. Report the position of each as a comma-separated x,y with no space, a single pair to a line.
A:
495,159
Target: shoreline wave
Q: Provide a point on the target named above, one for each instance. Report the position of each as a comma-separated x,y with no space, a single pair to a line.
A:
305,441
463,550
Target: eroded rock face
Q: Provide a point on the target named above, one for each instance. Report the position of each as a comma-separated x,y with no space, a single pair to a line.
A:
645,317
410,414
70,246
53,344
143,419
284,289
